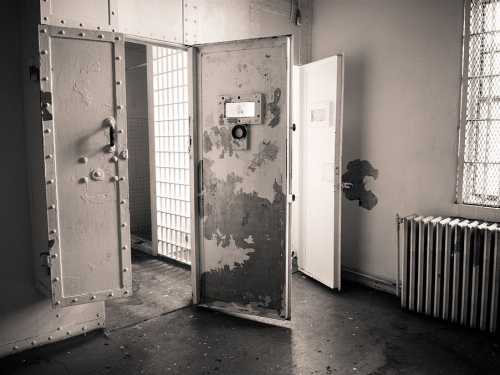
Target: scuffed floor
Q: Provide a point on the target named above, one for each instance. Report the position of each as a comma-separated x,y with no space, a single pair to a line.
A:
159,287
359,331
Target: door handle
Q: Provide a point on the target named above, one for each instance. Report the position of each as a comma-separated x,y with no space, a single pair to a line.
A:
110,122
200,188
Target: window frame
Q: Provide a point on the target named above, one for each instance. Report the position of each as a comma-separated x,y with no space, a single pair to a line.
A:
467,209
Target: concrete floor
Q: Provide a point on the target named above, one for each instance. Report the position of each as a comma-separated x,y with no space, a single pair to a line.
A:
159,287
359,331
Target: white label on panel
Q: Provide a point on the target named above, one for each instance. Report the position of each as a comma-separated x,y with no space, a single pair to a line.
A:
319,114
240,109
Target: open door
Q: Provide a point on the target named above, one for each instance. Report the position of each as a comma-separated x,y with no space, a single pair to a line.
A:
318,89
83,112
241,101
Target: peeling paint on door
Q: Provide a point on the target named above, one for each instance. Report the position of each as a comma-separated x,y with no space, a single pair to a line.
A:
275,109
243,255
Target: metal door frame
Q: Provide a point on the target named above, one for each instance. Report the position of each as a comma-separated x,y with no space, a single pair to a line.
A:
46,33
196,173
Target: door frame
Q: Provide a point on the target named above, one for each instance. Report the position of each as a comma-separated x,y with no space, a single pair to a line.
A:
149,43
195,160
197,168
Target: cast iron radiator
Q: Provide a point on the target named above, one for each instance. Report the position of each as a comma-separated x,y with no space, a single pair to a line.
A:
451,270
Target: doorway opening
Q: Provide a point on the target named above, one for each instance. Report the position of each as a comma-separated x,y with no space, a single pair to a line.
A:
159,184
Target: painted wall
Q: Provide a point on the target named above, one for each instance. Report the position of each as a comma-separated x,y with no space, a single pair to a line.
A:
401,112
138,142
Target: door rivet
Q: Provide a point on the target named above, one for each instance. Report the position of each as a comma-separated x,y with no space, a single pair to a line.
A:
58,303
15,347
123,201
100,36
46,130
33,342
124,225
115,178
125,292
49,182
119,106
56,279
45,78
82,34
114,159
49,156
97,174
44,52
50,338
125,269
59,328
52,207
74,300
84,180
62,32
93,297
53,231
122,178
118,57
110,294
118,82
83,159
124,154
54,256
124,247
43,31
68,333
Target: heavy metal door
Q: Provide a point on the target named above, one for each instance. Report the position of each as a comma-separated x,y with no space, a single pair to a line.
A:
85,164
243,126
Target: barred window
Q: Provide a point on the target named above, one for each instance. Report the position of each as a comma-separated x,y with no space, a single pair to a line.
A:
479,172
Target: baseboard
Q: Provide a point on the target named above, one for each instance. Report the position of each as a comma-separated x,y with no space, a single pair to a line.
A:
369,281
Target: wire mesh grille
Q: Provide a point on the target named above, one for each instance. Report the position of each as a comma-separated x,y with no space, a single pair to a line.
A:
171,128
481,154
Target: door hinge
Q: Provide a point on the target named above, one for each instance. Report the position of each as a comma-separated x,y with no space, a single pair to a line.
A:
45,260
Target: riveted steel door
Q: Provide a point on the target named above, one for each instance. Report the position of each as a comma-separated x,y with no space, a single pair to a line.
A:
85,162
243,125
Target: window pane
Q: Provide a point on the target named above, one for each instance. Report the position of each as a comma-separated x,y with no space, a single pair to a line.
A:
171,149
481,154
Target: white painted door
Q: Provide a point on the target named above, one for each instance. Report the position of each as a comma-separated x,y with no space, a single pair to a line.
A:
318,115
82,86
